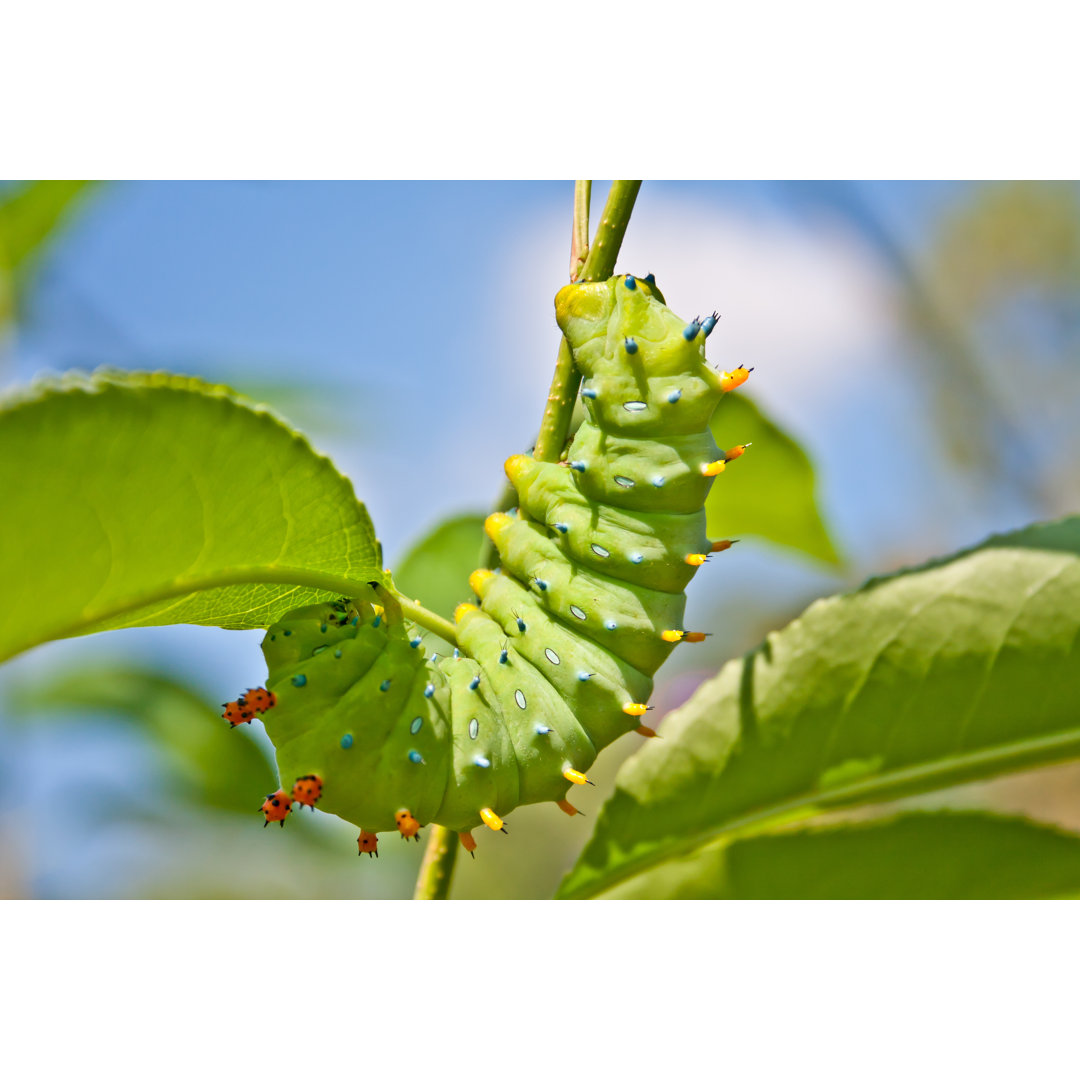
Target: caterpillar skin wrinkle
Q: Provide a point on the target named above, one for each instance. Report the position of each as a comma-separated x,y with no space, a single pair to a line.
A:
556,660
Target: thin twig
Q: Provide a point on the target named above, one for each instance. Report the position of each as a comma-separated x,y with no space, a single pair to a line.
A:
579,233
433,881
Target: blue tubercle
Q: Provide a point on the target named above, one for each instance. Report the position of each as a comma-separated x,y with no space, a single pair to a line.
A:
429,690
384,685
561,527
589,393
346,742
577,466
631,345
416,758
503,656
416,642
288,633
541,584
337,654
299,680
521,623
690,331
376,622
631,282
708,323
475,682
674,396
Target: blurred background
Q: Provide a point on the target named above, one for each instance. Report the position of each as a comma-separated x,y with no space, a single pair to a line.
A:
920,342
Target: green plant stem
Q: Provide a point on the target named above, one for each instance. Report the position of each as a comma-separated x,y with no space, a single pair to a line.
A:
433,881
428,619
579,236
599,263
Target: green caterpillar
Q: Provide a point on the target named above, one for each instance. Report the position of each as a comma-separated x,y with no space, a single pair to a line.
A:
557,659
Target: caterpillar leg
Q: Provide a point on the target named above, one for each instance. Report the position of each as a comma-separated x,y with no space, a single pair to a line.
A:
369,842
238,712
259,699
276,808
407,825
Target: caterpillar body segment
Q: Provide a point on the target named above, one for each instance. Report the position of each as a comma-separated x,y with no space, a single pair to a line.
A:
556,659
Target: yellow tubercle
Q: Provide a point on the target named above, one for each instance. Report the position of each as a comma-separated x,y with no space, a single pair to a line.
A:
672,635
635,708
479,580
491,819
694,560
515,466
496,524
575,777
462,610
713,468
378,609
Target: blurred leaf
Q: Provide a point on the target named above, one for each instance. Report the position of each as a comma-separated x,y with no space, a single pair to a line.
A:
28,216
218,767
436,569
143,500
940,856
959,670
769,492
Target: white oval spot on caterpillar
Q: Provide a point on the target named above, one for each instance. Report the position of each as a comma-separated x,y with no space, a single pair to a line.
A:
635,406
624,481
637,557
552,655
416,725
601,551
577,612
519,697
474,728
482,762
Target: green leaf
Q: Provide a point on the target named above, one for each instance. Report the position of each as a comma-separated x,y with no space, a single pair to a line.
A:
143,500
29,215
956,671
769,491
924,856
215,766
436,569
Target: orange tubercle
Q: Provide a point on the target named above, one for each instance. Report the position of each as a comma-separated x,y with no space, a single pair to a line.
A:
369,842
647,732
567,808
736,451
722,545
732,380
467,842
